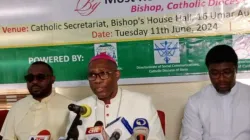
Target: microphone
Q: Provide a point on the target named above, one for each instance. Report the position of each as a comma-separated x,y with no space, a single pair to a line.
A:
98,123
42,135
97,132
116,135
123,125
83,110
140,129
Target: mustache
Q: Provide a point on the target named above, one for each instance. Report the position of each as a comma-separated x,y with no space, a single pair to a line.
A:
99,87
35,86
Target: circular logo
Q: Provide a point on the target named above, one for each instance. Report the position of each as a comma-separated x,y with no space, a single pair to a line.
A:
141,122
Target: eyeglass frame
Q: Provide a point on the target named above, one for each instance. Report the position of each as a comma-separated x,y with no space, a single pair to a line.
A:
35,77
222,73
107,73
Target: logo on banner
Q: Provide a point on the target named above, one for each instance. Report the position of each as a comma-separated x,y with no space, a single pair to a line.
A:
87,7
166,51
241,45
109,48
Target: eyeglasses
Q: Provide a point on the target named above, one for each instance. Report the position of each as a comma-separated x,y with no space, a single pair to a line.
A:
102,75
39,77
227,73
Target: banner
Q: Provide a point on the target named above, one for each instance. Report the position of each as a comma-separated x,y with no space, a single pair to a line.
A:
153,41
153,61
41,22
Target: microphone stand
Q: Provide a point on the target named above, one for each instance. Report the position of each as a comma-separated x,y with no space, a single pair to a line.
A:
73,133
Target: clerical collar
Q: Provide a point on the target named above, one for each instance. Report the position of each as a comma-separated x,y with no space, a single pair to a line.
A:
232,92
36,105
116,98
44,100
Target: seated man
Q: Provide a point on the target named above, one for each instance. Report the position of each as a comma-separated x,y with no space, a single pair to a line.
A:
43,110
111,102
220,111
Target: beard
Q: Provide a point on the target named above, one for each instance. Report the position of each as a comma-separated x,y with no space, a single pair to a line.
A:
38,92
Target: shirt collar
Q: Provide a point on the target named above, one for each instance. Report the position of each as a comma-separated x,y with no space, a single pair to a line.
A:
44,100
234,89
115,99
232,92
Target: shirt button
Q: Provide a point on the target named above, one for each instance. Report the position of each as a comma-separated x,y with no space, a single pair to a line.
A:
107,115
107,106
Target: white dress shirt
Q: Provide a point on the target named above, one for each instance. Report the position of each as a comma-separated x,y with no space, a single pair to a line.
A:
130,105
211,116
29,116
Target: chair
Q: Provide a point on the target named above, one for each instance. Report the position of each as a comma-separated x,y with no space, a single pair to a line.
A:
3,114
161,115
